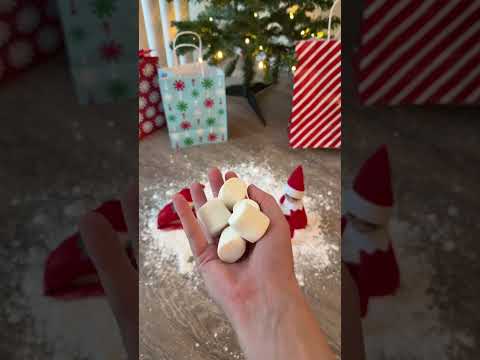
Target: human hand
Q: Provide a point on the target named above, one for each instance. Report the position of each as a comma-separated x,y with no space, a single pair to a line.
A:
118,276
259,293
267,265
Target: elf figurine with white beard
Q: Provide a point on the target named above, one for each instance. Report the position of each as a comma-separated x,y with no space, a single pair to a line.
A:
366,244
291,202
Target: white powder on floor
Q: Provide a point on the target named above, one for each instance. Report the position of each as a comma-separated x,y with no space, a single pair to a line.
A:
313,247
83,329
408,325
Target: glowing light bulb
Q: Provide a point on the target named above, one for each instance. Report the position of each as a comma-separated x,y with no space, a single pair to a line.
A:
210,18
294,68
200,60
260,48
313,35
302,32
255,14
261,65
247,41
292,16
219,55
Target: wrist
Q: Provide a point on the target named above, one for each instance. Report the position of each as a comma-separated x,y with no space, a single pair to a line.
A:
277,323
256,316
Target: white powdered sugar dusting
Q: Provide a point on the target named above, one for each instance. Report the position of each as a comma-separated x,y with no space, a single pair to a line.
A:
408,325
312,247
82,328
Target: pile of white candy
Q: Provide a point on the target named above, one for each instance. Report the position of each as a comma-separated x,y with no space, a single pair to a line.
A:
246,223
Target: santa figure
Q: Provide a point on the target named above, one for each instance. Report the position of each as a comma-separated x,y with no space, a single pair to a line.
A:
366,244
167,218
69,272
291,202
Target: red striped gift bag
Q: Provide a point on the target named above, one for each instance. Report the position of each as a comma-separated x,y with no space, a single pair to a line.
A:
420,52
315,121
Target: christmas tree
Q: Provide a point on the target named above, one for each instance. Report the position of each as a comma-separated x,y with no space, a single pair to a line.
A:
261,33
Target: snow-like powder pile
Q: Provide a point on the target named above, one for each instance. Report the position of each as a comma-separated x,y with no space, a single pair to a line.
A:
312,246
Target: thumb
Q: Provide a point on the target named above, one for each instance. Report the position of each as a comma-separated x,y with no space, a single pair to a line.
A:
268,205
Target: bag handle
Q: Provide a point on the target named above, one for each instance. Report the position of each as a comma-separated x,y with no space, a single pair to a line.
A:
330,15
199,48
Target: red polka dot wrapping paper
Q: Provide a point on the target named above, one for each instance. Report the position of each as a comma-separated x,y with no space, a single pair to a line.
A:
315,121
150,109
419,52
30,34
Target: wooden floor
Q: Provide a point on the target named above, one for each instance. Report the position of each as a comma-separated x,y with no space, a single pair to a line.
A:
178,321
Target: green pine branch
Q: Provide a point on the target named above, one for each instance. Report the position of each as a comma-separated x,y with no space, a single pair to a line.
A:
225,24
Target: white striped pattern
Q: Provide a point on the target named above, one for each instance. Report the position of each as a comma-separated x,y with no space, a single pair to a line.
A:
315,121
420,52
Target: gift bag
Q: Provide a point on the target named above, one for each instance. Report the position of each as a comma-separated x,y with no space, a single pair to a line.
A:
315,121
194,100
419,52
30,34
150,109
102,43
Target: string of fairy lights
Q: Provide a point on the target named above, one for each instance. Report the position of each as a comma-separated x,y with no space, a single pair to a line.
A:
305,33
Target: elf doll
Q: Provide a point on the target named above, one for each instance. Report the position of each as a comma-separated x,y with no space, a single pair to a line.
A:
291,202
366,244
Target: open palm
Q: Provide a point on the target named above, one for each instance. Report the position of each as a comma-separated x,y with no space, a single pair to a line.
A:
266,264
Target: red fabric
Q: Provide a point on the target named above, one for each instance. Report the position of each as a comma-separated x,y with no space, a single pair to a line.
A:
376,274
315,121
30,34
379,272
373,182
295,180
151,116
297,219
69,272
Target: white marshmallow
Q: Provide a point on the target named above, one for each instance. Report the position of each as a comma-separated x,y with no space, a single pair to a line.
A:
231,246
249,222
249,202
232,191
214,215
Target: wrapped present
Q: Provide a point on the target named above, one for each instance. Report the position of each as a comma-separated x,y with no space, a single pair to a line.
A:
419,52
102,42
150,109
30,34
194,101
315,121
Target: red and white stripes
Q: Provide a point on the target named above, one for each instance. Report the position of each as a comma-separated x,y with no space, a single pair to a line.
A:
420,52
315,121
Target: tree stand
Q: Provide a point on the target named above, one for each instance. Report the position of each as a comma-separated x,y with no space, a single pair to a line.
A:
250,94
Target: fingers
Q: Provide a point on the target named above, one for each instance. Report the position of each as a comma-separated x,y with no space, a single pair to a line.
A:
198,195
198,241
229,175
118,277
268,205
104,248
130,211
216,180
